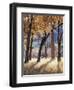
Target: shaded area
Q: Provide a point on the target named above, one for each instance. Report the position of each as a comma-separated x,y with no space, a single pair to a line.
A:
45,66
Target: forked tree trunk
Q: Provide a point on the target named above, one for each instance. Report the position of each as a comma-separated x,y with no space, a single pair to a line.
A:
28,41
41,45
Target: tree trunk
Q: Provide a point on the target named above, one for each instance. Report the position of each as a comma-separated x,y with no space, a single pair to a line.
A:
45,51
52,45
59,46
41,45
45,47
28,41
31,48
59,43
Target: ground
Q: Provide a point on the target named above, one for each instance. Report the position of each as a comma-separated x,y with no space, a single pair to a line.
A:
45,66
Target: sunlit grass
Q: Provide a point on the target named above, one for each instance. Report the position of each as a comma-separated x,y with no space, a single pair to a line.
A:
45,66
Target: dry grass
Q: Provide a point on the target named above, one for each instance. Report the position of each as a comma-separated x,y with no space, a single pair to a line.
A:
45,66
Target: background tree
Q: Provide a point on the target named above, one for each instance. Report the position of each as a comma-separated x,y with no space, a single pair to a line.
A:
28,39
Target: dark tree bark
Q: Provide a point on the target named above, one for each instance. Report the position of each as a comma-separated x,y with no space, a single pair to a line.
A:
59,41
41,45
28,41
45,46
52,45
59,46
31,47
45,51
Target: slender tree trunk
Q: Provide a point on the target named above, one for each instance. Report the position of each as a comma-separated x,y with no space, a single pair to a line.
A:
52,45
31,48
59,46
28,41
59,52
41,45
59,43
45,51
45,47
39,54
